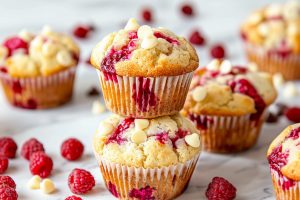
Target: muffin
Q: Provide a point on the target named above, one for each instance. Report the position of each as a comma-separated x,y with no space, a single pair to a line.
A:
147,158
38,71
142,69
283,156
228,105
272,39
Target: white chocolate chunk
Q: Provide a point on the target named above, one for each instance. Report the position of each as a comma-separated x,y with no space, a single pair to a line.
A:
49,49
290,90
141,124
193,140
263,29
98,108
225,67
213,65
199,93
278,80
138,136
3,52
25,35
132,25
291,10
34,182
252,67
47,30
47,186
255,18
145,31
274,10
149,42
105,128
64,58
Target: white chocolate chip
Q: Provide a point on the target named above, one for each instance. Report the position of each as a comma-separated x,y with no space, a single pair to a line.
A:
132,25
47,30
213,65
47,186
34,182
193,140
225,67
49,49
252,67
149,42
3,52
105,128
274,10
145,31
25,35
293,29
291,10
199,93
141,124
263,29
19,52
255,18
138,136
278,80
37,42
98,108
64,58
290,90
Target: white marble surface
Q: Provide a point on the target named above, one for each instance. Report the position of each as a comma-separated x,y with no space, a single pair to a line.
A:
219,20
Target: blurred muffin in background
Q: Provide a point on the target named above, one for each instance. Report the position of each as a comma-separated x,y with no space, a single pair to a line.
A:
228,105
37,71
272,38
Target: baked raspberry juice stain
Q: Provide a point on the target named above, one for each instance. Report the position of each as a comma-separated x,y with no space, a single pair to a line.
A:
3,70
201,122
16,87
113,190
283,51
179,135
162,137
145,193
167,38
117,134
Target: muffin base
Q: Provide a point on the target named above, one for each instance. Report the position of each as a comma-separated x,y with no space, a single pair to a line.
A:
288,66
39,92
165,183
147,97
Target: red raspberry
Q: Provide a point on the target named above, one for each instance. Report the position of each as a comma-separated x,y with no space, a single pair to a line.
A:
197,38
8,181
81,181
3,164
73,197
220,189
30,146
217,51
8,193
293,114
15,43
71,149
187,10
8,147
40,164
82,31
147,15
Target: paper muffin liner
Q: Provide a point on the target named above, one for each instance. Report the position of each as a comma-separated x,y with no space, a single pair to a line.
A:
145,97
158,183
288,66
291,192
39,92
228,134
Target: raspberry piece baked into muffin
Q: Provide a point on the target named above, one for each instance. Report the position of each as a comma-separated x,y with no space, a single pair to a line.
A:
272,38
37,71
228,104
147,158
283,156
142,69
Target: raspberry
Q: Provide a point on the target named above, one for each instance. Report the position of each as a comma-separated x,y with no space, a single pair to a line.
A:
82,31
293,114
31,146
71,149
217,51
8,147
73,197
147,14
81,181
3,164
8,193
187,10
15,43
197,38
40,164
8,181
220,189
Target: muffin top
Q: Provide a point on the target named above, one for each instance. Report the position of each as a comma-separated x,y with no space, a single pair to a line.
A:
147,143
144,51
30,55
284,153
275,27
225,90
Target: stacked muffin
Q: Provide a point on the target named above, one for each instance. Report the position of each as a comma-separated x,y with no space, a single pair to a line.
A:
147,150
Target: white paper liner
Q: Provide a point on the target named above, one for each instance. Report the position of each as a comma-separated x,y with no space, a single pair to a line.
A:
169,182
170,92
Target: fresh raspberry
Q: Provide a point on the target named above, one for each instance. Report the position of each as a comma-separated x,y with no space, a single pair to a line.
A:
197,38
147,15
82,31
187,10
31,146
8,181
8,147
8,193
73,197
81,181
71,149
40,164
3,164
15,43
220,189
217,51
293,114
